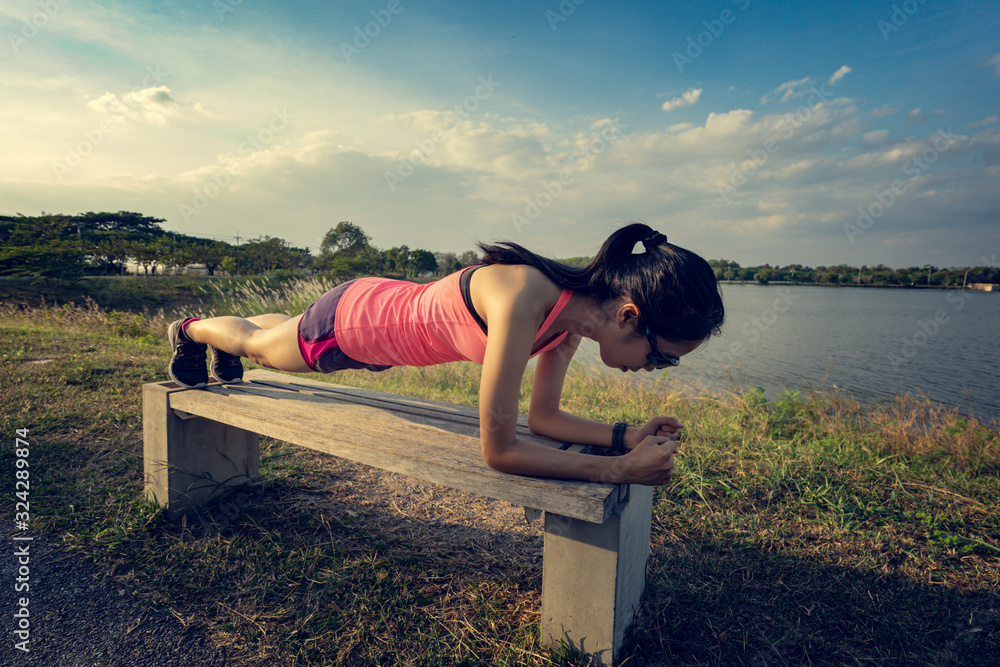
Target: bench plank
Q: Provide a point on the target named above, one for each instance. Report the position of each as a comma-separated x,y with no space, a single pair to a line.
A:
434,442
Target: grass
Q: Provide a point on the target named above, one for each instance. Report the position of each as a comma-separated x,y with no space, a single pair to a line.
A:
807,530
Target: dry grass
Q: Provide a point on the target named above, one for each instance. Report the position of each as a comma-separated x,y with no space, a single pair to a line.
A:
248,298
807,530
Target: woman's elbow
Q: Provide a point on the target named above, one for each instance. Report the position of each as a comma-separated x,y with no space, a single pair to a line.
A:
504,456
499,462
537,422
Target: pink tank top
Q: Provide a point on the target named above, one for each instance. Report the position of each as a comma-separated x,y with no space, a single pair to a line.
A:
384,321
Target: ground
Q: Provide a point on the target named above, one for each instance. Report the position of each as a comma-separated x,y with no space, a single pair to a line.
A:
82,616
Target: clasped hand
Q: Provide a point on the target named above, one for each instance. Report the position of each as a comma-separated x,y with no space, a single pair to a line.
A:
651,460
666,427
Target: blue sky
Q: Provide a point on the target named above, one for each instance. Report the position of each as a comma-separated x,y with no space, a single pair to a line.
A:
760,132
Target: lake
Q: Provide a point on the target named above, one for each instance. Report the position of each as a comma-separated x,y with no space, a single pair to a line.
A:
871,342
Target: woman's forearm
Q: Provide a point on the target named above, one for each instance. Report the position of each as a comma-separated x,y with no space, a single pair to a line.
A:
528,458
568,427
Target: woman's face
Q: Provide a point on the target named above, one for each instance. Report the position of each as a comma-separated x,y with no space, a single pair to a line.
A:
629,353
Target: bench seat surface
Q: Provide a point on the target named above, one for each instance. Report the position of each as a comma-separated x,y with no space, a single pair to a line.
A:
431,441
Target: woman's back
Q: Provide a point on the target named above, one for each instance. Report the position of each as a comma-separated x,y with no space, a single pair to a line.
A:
383,321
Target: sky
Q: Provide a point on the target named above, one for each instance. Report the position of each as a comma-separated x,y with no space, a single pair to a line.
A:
779,132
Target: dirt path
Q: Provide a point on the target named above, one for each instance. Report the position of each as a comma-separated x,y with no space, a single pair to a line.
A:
80,617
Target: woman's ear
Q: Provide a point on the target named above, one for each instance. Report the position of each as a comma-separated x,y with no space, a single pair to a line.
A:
627,314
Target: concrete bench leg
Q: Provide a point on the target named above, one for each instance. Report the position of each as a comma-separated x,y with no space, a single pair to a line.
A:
191,461
593,577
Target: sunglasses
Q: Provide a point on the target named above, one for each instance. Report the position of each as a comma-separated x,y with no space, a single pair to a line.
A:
656,358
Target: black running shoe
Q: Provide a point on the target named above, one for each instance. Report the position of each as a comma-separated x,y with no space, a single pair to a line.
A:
225,367
187,365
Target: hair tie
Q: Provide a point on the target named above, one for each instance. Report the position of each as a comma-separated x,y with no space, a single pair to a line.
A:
653,240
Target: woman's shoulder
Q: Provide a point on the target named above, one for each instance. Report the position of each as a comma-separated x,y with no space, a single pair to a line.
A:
516,278
514,285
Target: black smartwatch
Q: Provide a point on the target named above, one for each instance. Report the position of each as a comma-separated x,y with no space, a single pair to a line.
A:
618,438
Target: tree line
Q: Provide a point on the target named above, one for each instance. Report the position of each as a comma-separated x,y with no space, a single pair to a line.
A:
64,246
69,247
842,274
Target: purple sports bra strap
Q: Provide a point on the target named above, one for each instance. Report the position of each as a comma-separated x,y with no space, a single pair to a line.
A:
556,309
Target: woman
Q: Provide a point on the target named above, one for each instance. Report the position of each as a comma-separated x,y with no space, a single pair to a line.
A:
645,310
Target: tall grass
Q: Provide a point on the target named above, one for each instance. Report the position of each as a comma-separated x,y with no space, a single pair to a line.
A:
811,529
88,317
245,299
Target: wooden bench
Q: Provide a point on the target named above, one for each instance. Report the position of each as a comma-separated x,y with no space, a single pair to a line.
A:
200,444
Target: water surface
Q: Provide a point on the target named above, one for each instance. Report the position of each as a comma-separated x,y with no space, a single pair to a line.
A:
872,342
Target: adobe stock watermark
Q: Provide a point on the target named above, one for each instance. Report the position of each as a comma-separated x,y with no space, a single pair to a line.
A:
901,13
927,330
363,38
914,168
714,28
783,130
224,514
94,137
756,327
552,190
565,10
223,7
47,10
426,147
222,178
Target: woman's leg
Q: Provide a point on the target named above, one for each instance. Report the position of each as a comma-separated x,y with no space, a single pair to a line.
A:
270,340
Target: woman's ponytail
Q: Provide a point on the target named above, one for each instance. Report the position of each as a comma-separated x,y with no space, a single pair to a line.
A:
674,289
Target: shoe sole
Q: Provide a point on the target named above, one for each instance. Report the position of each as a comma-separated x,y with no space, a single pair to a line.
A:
172,338
213,358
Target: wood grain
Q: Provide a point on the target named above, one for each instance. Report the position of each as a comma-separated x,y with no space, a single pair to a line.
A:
428,440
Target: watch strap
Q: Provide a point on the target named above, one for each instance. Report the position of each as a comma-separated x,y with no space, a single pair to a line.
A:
618,437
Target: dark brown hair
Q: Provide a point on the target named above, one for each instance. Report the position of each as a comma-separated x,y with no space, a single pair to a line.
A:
674,289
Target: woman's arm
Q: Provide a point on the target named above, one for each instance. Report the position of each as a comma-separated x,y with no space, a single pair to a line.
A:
513,322
544,415
546,418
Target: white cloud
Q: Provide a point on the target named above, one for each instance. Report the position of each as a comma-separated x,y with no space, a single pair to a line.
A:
985,122
810,184
725,124
687,99
152,105
915,116
875,137
995,61
839,74
788,90
884,110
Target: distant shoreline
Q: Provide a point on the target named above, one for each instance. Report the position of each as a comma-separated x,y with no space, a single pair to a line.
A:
917,287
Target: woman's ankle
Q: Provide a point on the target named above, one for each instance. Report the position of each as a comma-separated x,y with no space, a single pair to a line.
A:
184,326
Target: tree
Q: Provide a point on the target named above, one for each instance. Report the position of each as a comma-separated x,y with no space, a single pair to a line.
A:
145,255
209,253
397,260
44,246
111,252
268,253
345,239
447,262
130,223
109,237
422,261
168,254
